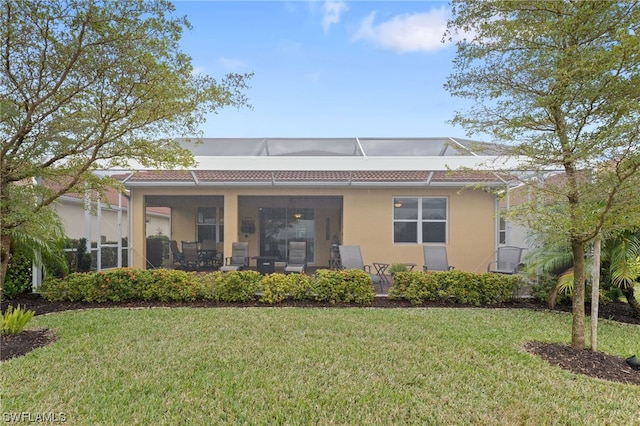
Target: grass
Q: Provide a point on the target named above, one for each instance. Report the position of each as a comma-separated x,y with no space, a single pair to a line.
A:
313,366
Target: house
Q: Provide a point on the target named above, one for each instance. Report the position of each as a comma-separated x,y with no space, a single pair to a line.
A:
387,195
78,221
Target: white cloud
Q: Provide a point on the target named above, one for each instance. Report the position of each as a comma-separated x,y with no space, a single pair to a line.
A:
331,11
418,32
232,64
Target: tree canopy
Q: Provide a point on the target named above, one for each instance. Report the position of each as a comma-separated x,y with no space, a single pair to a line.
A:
90,84
559,82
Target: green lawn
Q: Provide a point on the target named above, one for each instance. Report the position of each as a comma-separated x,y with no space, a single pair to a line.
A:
313,366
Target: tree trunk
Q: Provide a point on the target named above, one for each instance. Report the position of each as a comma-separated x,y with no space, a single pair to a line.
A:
631,298
5,256
577,330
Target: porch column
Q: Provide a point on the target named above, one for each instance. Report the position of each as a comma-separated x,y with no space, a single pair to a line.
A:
230,222
137,233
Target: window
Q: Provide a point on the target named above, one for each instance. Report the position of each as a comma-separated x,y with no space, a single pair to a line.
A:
502,237
419,220
210,224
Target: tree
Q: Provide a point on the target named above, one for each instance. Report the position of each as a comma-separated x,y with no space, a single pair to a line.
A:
93,84
560,82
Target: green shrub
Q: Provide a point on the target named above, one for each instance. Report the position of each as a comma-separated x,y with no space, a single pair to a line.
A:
416,287
236,286
397,267
543,287
344,286
18,277
71,288
172,285
274,288
14,320
454,286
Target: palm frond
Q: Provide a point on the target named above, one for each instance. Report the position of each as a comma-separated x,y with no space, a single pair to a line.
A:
41,239
623,255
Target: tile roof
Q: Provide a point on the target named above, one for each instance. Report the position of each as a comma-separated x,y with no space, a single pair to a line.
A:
310,176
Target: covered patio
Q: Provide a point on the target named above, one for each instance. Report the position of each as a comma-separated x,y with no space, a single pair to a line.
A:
390,196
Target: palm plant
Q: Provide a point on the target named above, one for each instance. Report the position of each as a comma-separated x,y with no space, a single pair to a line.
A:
42,240
622,255
620,262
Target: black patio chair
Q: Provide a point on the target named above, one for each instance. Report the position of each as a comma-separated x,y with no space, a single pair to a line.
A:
191,258
178,258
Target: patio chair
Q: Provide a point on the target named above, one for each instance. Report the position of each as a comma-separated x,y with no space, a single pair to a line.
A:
435,258
297,262
208,252
239,258
177,256
351,258
507,260
191,258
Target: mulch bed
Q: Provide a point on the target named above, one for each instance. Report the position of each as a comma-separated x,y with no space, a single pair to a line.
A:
593,364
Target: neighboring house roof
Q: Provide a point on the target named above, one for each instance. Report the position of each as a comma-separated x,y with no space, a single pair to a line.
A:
331,161
110,199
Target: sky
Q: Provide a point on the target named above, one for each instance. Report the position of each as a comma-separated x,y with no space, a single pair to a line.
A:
327,68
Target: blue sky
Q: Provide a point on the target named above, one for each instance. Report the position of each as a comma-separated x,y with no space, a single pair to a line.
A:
327,68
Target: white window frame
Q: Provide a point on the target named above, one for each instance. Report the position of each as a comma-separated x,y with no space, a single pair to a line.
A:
419,220
218,219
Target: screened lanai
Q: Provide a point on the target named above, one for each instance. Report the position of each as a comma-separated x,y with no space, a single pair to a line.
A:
268,191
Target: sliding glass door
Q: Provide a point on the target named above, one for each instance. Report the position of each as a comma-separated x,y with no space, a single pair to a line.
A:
278,226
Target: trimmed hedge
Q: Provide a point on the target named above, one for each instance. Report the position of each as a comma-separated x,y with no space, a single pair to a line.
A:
454,286
116,285
345,286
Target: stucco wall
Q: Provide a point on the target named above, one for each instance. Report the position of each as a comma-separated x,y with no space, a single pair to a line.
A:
73,218
366,221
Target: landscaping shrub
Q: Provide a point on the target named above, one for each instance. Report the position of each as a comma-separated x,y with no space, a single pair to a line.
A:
454,286
415,287
543,287
172,285
69,288
397,267
18,278
274,288
14,320
344,286
122,284
236,286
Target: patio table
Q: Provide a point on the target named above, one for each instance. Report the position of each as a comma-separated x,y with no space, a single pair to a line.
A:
381,268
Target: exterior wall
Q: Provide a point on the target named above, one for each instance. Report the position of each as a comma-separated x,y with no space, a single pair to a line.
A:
73,218
471,226
365,220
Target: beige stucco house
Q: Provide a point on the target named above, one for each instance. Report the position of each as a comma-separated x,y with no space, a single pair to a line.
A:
389,196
